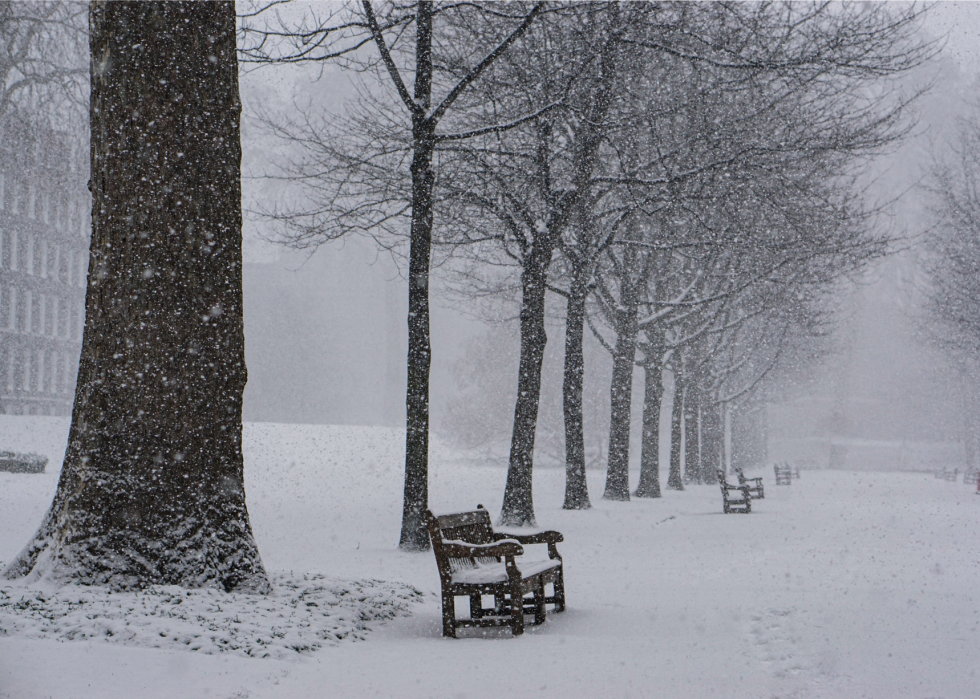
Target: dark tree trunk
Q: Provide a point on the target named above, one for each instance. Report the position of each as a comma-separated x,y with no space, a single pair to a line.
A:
674,480
518,507
576,486
621,396
712,441
692,456
152,487
414,536
653,391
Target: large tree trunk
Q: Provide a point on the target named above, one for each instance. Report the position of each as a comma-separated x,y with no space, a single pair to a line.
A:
653,391
414,536
674,480
518,507
692,454
576,486
621,398
152,487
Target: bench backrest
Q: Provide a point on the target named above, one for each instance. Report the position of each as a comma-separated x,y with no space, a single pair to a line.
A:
471,527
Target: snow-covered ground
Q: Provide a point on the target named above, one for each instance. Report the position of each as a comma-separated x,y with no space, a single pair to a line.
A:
844,584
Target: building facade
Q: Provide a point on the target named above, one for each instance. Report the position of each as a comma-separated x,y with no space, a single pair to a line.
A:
44,246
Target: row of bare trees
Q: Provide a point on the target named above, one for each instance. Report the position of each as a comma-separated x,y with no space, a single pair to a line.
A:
682,175
950,315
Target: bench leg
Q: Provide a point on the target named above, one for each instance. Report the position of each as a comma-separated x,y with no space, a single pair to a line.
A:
539,611
559,585
448,615
517,609
476,605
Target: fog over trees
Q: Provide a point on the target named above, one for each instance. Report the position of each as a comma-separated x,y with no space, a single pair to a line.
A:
687,180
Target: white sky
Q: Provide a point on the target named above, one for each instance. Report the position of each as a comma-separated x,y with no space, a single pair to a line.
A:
960,22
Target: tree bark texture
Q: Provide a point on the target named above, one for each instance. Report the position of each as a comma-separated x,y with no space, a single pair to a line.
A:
674,479
692,434
518,507
712,441
414,536
621,393
152,489
653,391
576,486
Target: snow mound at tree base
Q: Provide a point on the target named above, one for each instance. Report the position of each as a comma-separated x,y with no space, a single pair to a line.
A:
302,615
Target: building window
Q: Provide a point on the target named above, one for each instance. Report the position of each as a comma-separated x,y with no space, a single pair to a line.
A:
28,311
11,369
29,266
40,371
12,309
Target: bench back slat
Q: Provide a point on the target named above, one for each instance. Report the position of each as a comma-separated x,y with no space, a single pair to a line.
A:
472,527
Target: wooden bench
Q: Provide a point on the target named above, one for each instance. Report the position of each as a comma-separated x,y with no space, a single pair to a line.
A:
22,463
756,491
473,561
743,505
784,475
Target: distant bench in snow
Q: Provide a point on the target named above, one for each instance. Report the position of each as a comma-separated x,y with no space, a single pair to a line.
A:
22,463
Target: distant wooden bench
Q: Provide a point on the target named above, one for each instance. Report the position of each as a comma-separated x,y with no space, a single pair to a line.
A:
949,476
756,491
22,463
473,561
784,474
970,476
733,505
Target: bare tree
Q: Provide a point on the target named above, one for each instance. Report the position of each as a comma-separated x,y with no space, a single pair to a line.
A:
369,189
42,55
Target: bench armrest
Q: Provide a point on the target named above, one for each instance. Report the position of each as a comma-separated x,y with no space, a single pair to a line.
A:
548,537
462,549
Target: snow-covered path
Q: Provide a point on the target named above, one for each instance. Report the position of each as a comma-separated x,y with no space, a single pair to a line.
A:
841,585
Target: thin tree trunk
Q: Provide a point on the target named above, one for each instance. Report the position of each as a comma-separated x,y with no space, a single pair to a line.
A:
712,441
414,536
692,461
518,506
152,487
653,391
674,480
620,399
576,486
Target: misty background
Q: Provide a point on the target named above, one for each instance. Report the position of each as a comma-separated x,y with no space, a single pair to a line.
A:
326,334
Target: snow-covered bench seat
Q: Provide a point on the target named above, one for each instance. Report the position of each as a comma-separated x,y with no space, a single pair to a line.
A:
730,504
473,561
